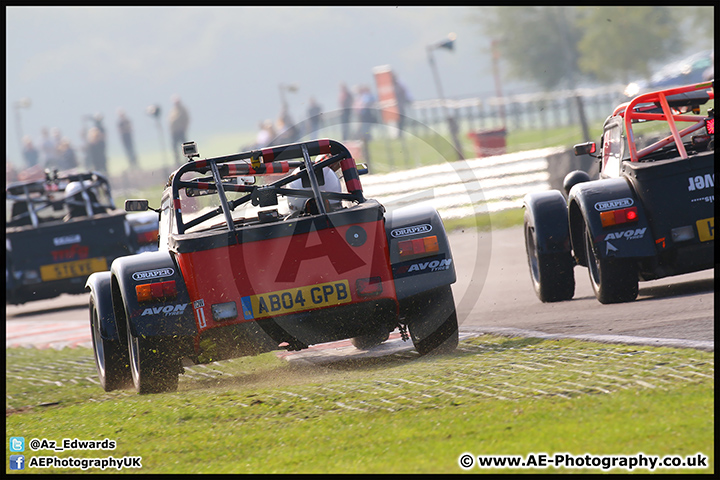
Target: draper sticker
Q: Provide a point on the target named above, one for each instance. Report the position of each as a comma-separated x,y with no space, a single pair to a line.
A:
150,274
613,204
413,230
66,240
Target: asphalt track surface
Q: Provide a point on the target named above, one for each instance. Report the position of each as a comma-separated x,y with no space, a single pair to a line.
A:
493,295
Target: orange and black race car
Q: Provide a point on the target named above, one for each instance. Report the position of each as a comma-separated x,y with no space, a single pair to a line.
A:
60,229
649,215
264,250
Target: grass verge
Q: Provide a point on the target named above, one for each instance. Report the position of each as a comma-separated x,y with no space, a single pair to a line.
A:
396,414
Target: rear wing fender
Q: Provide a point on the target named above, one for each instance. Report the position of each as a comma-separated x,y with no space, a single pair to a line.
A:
169,311
588,200
419,228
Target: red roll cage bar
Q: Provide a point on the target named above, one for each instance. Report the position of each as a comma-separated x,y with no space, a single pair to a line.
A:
265,161
638,109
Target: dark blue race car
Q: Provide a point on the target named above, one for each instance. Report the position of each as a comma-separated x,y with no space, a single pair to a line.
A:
649,215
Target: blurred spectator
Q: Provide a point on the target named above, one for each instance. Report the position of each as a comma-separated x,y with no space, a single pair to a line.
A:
49,147
96,158
11,174
179,119
287,132
404,100
314,117
56,137
365,107
346,103
97,120
67,159
366,115
265,134
29,152
125,128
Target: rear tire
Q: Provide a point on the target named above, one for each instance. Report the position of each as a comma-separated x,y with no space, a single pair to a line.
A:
153,365
111,356
613,280
433,324
552,275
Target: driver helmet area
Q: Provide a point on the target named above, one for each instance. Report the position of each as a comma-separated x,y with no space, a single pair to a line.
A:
329,183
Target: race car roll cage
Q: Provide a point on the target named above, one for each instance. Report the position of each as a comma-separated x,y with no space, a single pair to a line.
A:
266,161
22,192
645,107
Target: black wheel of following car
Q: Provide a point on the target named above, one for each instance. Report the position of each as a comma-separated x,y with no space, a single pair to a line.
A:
552,275
366,342
614,280
111,356
434,327
153,365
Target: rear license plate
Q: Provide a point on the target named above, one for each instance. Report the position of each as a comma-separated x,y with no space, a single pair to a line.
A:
296,299
77,268
706,229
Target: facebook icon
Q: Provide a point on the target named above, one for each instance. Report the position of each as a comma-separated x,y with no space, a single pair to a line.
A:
17,462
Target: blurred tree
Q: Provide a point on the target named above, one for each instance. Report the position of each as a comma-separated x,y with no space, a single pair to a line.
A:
558,47
534,42
539,44
620,42
702,24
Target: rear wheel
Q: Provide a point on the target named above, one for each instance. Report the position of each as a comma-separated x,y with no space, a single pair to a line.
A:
433,324
153,364
614,280
552,275
111,356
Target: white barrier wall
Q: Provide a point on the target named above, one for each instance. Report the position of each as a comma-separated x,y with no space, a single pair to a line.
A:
464,188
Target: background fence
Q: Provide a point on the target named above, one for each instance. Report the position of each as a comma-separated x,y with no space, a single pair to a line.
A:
524,111
521,112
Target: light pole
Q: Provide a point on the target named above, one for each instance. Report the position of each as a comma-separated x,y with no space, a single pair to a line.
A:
290,88
496,73
289,133
447,44
22,103
571,72
154,111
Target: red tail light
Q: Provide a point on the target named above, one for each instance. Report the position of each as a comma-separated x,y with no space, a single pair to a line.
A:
418,246
152,291
617,217
146,238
